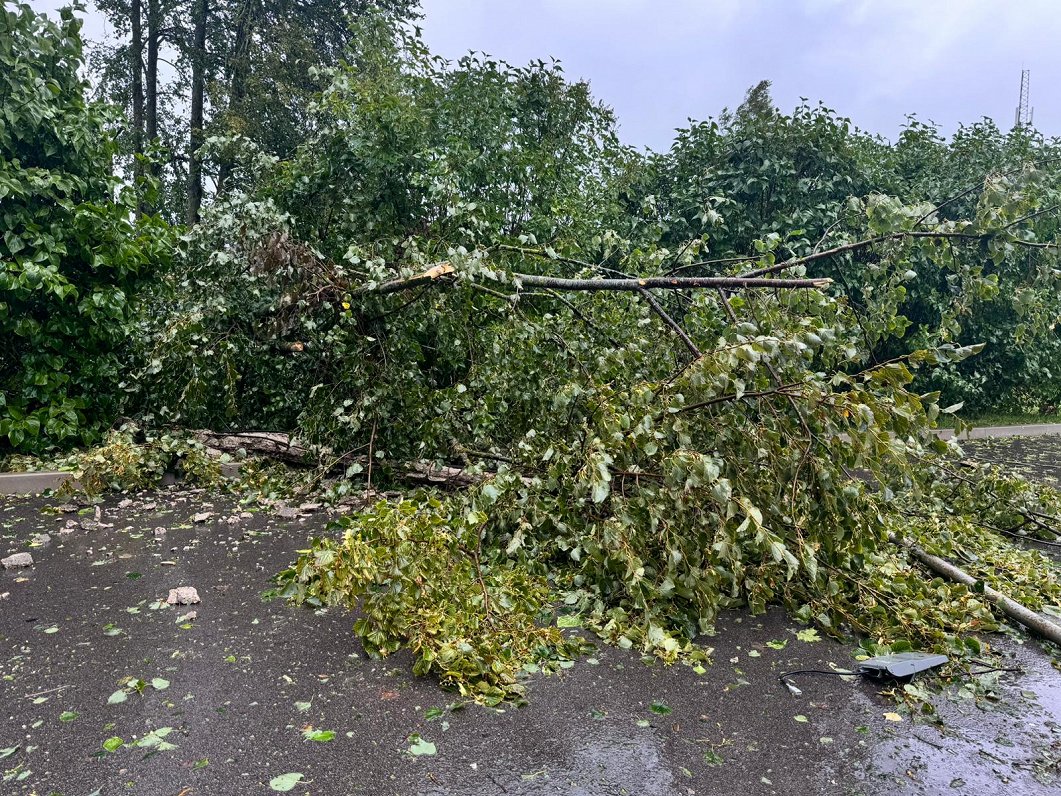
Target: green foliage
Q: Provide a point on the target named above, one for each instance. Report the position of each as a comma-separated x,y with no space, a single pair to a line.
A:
71,260
368,291
374,291
416,573
264,65
427,156
126,459
800,182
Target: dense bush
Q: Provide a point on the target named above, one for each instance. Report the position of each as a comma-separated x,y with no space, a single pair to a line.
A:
759,173
71,257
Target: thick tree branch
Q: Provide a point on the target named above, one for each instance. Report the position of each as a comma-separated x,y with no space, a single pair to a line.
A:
444,272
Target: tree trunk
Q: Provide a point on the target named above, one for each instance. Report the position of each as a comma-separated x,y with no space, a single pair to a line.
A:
195,165
282,447
238,68
154,23
136,66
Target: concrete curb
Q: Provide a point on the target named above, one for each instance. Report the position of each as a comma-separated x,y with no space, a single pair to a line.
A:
996,432
31,483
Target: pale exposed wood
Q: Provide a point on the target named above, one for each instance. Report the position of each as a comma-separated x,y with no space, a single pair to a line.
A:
1014,610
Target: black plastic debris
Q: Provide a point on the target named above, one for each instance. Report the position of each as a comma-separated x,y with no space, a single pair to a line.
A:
900,666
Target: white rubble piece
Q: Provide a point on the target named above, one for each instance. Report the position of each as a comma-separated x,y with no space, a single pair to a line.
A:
183,595
17,560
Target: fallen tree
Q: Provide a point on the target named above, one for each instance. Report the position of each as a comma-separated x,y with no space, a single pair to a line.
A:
661,426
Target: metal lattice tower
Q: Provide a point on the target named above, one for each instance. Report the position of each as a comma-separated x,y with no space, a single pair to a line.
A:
1025,112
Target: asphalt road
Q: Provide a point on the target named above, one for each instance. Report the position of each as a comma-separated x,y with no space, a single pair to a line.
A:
229,701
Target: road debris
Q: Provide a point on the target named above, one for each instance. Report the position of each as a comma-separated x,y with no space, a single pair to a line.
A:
17,560
183,595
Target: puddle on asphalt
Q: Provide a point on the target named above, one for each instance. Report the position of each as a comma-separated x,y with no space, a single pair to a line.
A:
1012,745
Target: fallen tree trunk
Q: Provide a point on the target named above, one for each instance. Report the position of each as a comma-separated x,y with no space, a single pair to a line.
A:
1014,610
275,445
445,477
283,447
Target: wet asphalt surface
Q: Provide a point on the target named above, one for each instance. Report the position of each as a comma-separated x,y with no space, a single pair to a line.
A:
242,684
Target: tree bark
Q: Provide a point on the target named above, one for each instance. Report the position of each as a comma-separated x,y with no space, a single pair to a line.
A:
154,24
136,67
195,165
275,445
282,447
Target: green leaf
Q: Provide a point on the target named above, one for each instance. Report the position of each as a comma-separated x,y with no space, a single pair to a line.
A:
117,697
321,736
420,747
713,758
113,744
159,684
285,782
67,715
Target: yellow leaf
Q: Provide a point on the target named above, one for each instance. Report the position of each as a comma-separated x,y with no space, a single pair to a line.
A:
893,717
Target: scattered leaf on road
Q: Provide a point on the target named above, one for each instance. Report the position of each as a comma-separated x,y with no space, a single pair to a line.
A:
420,747
117,697
285,782
113,744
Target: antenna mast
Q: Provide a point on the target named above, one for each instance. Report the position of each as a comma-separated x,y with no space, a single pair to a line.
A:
1025,112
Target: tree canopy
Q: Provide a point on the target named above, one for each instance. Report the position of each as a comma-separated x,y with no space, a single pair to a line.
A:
72,261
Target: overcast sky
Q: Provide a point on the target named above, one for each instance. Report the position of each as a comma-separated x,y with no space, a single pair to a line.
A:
660,62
